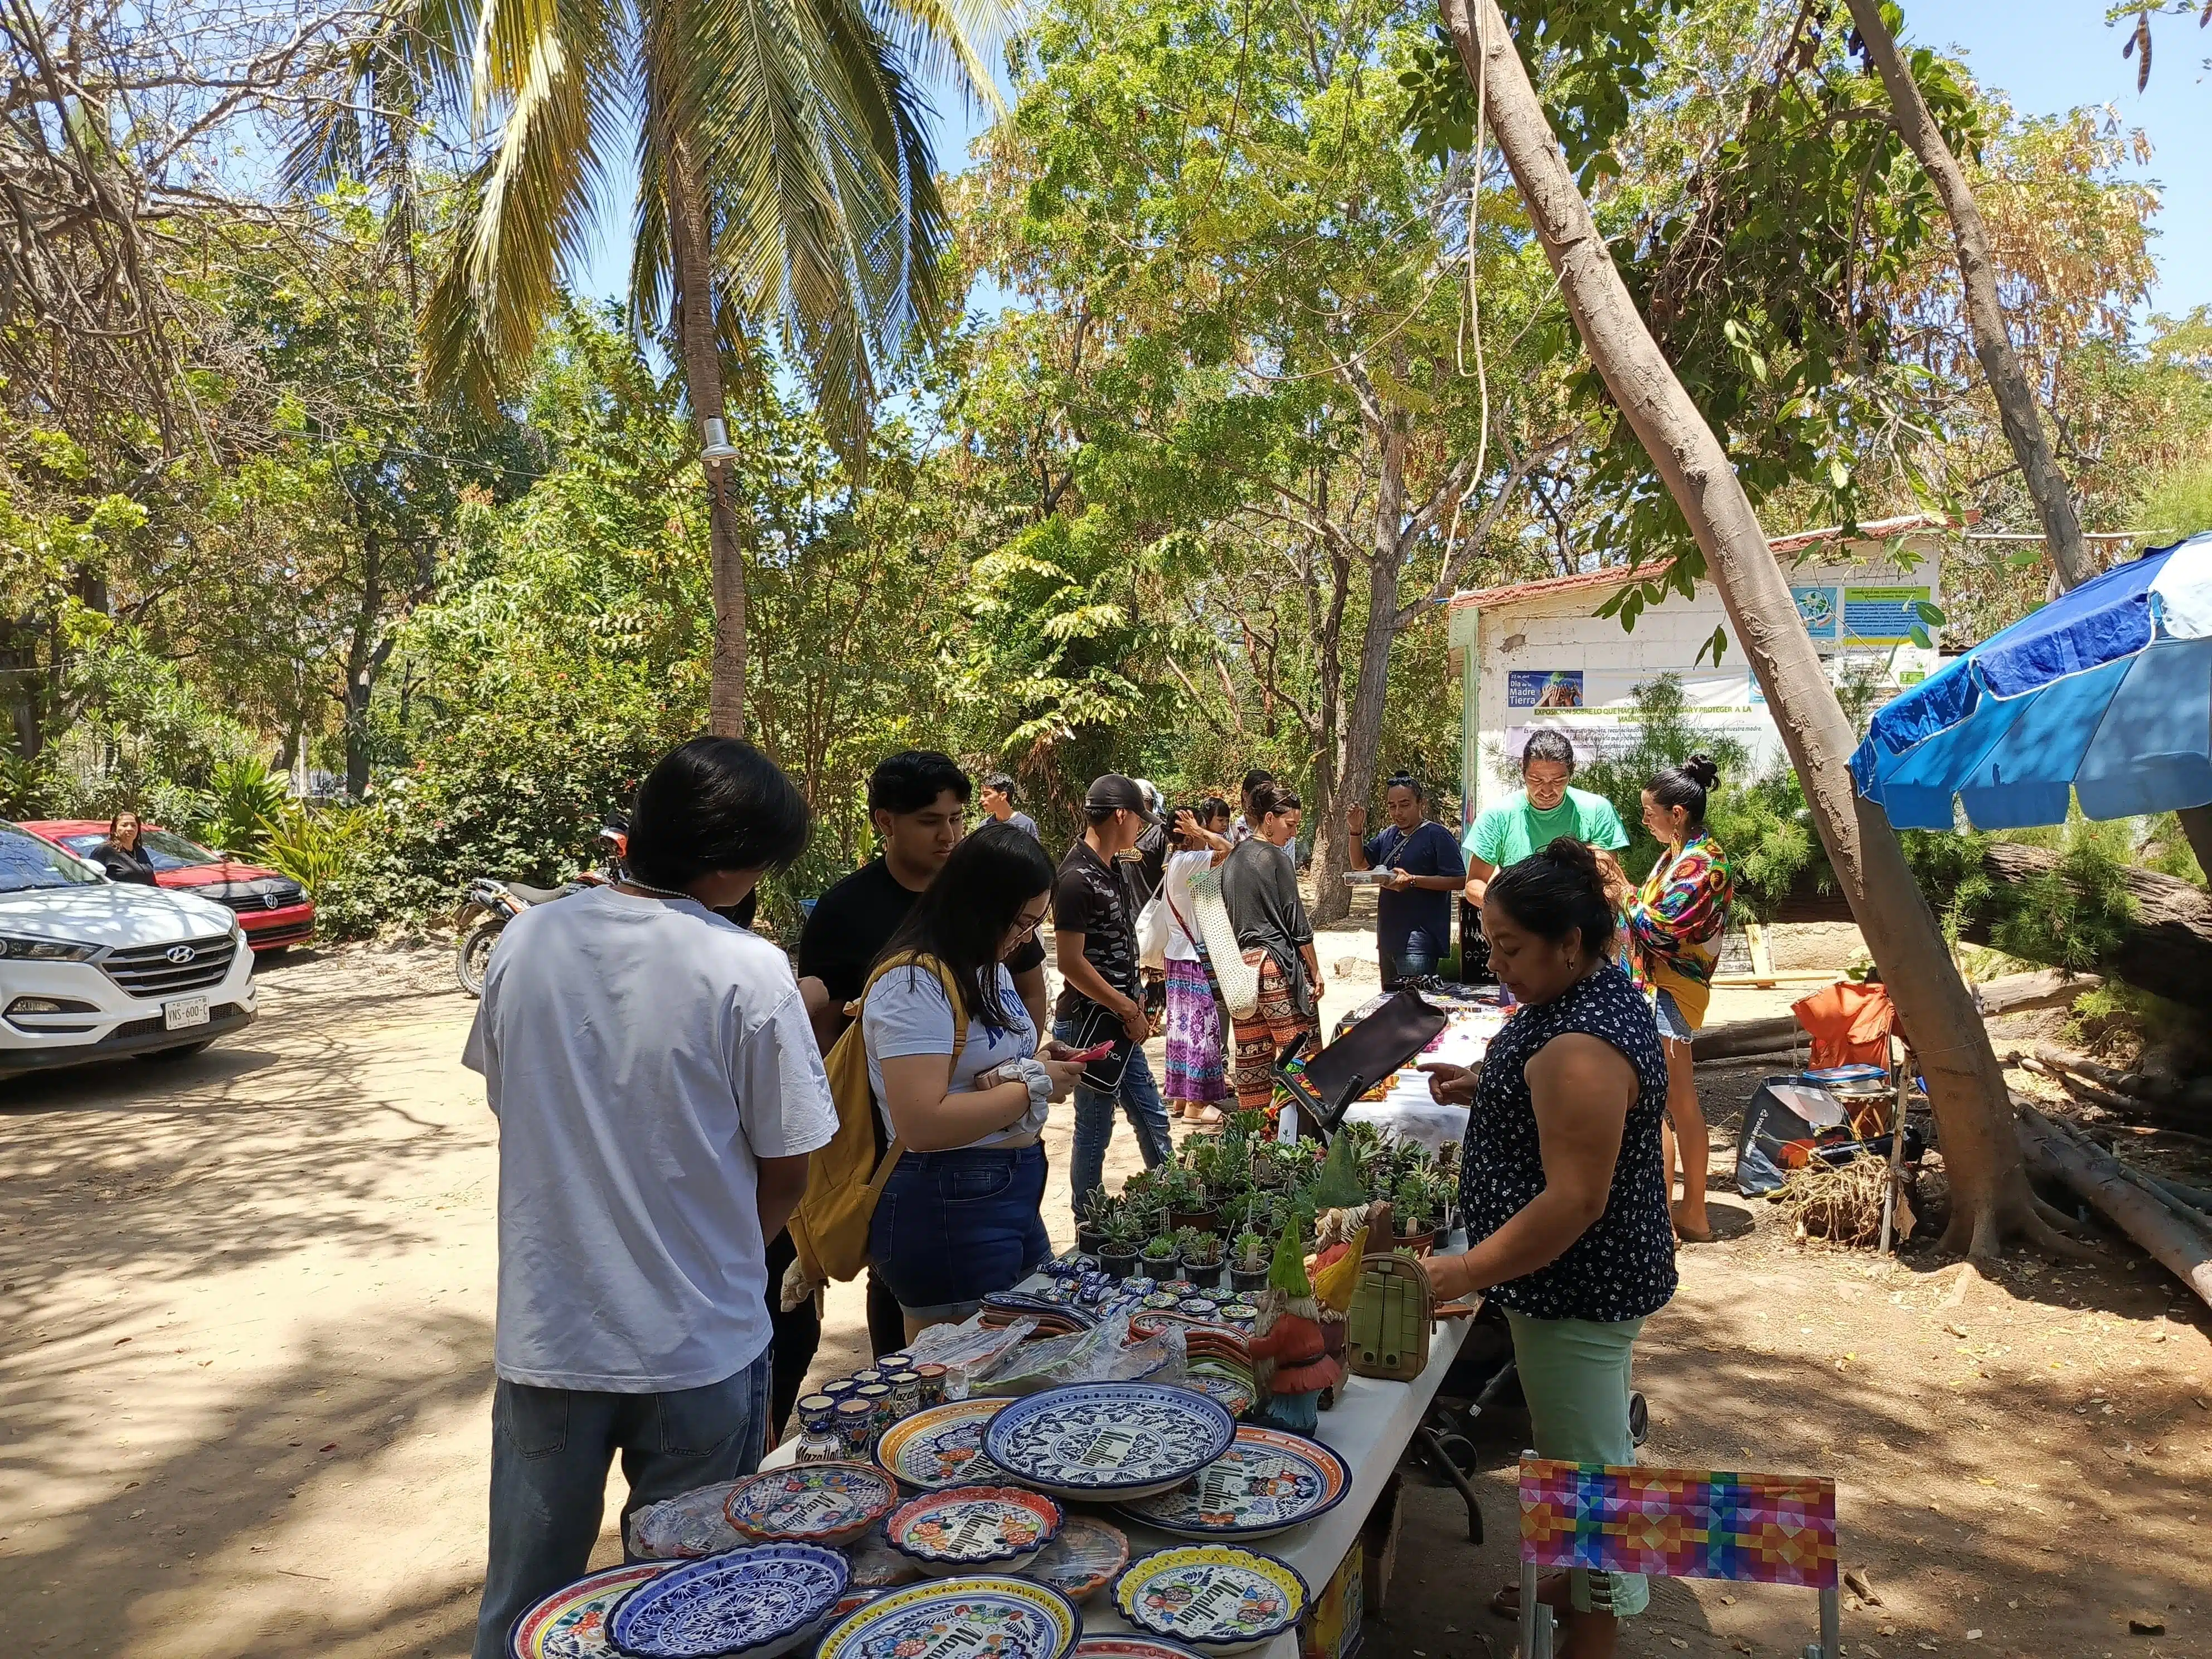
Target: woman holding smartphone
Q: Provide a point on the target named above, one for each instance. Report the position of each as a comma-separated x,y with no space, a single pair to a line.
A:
964,1092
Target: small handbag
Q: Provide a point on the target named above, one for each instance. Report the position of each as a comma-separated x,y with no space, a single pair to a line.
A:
1393,1312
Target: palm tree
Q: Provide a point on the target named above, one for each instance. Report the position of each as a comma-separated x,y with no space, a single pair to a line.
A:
787,187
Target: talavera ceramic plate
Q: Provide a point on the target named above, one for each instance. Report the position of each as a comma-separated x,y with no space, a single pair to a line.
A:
756,1603
1004,1618
1269,1482
572,1623
1108,1440
1215,1597
940,1447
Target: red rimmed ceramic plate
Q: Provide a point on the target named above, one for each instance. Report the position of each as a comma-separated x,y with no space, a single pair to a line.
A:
827,1504
974,1529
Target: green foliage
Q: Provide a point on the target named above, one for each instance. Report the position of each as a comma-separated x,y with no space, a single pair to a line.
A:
2072,917
245,800
2177,502
1760,822
321,848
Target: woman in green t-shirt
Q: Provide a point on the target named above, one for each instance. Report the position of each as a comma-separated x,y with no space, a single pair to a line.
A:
1545,809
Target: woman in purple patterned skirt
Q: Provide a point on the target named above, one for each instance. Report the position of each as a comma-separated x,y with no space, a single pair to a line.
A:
1198,1065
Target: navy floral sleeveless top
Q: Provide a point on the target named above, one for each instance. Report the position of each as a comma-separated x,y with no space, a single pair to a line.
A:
1623,1267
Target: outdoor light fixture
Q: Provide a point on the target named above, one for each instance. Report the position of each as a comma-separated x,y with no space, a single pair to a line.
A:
717,449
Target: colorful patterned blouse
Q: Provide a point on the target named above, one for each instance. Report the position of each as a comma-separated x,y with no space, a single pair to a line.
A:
1675,922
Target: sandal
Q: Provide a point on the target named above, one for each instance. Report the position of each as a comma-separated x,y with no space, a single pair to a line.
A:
1208,1116
1506,1604
1689,1235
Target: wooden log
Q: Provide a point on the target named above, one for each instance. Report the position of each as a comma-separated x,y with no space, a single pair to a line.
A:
2196,1197
1746,1036
2097,1177
2105,1077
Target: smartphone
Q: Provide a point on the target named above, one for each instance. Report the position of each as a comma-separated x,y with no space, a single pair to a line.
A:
1086,1055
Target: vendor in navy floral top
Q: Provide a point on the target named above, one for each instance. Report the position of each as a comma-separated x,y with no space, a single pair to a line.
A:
1565,1198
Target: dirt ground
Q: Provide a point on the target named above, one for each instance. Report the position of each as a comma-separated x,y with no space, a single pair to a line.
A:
246,1310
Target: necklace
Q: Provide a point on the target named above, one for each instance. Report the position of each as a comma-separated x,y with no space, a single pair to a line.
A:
650,891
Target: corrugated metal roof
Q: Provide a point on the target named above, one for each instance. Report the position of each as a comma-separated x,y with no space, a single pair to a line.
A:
1620,575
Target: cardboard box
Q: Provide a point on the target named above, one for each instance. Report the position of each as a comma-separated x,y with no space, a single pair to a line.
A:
1331,1627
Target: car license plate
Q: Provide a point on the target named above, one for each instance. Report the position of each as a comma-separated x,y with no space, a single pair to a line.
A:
185,1011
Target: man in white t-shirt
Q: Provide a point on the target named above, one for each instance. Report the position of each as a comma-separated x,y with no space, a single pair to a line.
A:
658,1089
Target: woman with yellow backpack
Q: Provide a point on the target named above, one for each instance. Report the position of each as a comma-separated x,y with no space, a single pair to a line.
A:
961,1089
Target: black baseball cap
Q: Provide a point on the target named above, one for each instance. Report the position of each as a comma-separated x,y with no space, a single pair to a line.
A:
1115,792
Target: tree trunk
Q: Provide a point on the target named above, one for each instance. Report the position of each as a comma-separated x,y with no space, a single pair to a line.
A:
2196,824
2016,409
363,658
689,241
1965,1086
1362,735
2182,1249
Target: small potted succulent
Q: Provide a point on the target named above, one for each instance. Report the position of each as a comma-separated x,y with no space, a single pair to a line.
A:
1417,1219
1248,1268
1098,1210
1143,1200
1188,1204
1118,1254
1158,1259
1202,1258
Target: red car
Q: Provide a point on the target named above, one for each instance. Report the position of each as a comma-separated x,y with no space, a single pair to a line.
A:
274,910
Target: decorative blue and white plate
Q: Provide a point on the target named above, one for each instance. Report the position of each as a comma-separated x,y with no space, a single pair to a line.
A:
1199,1307
1002,1618
1269,1482
826,1504
758,1602
1108,1440
572,1623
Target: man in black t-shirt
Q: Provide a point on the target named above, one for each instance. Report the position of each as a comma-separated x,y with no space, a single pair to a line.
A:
1095,936
918,802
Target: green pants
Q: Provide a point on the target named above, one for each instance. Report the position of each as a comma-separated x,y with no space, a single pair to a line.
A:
1574,1373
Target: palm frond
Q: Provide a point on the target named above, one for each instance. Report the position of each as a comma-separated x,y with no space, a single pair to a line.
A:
557,68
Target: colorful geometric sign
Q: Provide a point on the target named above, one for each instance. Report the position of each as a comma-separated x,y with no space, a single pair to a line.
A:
1680,1524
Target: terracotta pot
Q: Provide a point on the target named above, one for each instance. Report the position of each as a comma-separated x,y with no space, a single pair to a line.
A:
1418,1243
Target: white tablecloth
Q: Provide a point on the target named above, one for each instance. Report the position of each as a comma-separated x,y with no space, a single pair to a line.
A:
1370,1426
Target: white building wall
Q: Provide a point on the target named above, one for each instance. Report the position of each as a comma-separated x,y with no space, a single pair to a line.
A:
1556,639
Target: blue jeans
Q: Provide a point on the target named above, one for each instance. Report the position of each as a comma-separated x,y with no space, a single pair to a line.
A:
1139,1096
551,1449
1417,958
952,1227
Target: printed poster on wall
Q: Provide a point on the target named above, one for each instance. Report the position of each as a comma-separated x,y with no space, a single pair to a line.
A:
1883,616
1721,701
1543,688
1819,609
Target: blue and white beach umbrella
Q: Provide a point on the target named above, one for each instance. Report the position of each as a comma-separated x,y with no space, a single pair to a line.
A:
2105,692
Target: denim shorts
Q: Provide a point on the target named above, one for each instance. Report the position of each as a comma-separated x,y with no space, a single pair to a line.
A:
954,1227
1669,1013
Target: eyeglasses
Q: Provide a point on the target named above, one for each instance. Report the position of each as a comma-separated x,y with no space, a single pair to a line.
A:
1024,925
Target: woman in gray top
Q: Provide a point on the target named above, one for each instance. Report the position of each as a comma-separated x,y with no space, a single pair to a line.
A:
1260,890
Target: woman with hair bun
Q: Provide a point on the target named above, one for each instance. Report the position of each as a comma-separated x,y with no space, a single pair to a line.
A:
1676,923
1566,1201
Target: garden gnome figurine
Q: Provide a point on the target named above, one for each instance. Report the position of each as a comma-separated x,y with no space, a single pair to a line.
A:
1291,1361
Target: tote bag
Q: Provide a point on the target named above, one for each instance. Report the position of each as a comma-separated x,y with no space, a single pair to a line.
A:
1238,979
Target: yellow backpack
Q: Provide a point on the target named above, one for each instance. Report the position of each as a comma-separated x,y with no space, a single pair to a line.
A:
844,1179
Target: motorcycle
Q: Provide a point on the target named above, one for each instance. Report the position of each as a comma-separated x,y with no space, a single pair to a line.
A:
489,904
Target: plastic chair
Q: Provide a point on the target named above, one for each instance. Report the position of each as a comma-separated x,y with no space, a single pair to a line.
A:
1676,1523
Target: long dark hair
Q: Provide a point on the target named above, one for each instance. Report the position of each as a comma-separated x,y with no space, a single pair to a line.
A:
962,916
1555,892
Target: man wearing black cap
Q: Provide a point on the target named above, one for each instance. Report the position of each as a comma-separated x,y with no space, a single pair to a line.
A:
1096,938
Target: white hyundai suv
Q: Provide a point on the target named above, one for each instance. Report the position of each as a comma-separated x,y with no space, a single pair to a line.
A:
94,969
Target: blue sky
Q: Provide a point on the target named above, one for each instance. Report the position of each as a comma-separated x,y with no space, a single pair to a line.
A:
2047,56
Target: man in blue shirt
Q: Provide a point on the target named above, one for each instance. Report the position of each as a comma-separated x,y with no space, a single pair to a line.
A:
1413,923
